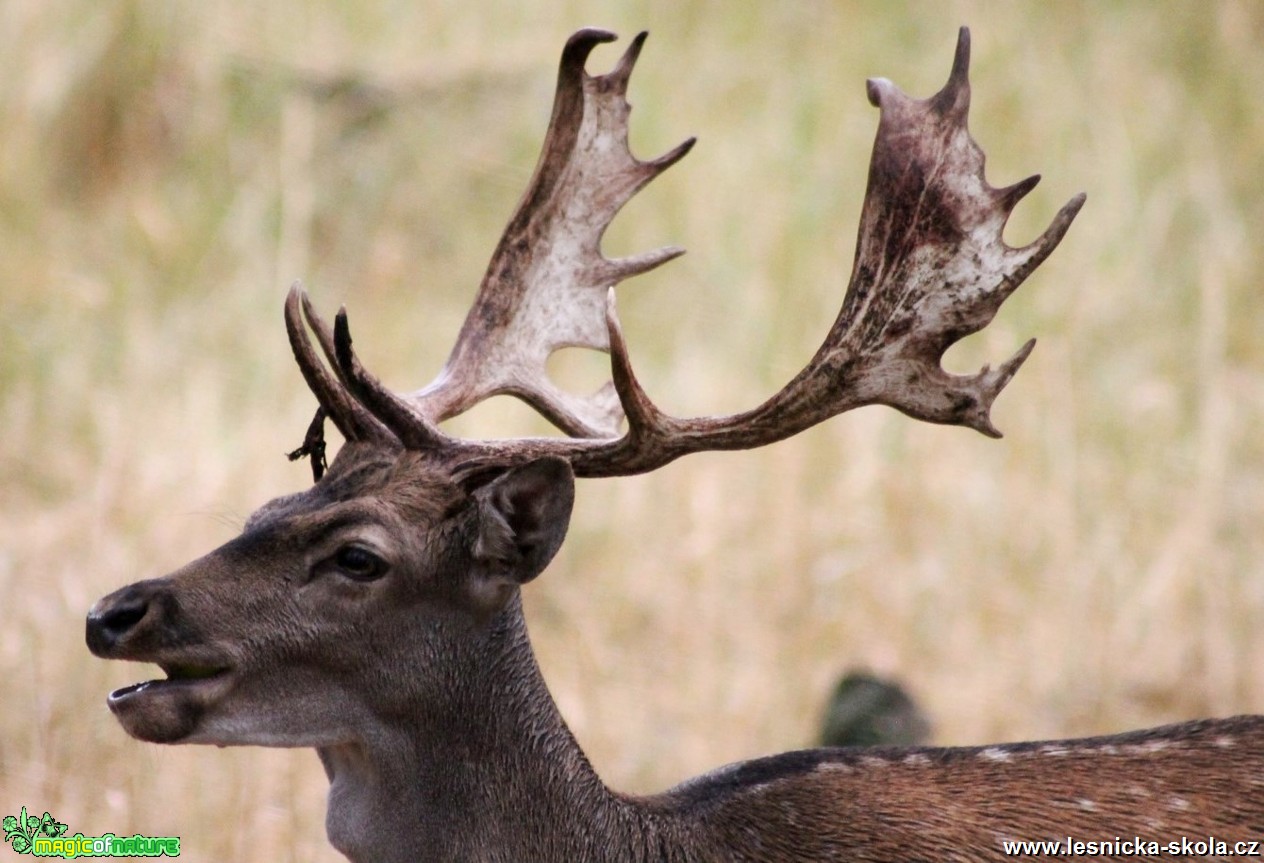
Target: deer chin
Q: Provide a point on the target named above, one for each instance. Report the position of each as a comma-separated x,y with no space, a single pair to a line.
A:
170,710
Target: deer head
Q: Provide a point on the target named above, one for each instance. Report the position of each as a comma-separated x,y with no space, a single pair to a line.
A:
376,615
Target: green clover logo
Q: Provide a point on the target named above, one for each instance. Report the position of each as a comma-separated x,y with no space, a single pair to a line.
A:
21,830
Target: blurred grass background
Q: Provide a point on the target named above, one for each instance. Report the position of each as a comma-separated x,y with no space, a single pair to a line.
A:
167,168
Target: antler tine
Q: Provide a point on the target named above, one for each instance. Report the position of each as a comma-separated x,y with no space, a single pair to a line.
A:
399,414
545,284
349,416
645,420
324,336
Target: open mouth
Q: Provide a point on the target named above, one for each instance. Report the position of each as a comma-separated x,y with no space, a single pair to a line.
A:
170,709
179,674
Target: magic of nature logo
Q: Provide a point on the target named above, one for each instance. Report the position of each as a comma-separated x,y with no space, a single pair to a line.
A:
45,836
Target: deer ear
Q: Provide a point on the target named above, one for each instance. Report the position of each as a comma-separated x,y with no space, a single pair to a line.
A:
522,518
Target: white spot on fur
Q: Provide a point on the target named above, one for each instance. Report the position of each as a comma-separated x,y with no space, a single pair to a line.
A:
1178,803
871,762
835,767
1152,746
994,754
1054,750
1224,741
917,759
1087,805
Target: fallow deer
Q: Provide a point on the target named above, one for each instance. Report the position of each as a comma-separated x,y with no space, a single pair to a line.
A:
376,616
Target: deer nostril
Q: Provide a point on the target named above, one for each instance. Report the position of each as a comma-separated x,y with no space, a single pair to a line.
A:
122,619
107,626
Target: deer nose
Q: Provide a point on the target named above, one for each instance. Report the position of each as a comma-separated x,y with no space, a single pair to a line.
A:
112,618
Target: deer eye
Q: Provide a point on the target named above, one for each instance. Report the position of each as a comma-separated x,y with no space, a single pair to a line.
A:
358,563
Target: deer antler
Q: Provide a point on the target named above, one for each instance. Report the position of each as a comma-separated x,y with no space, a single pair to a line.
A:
546,283
931,267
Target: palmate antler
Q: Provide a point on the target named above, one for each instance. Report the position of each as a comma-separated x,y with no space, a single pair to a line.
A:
931,267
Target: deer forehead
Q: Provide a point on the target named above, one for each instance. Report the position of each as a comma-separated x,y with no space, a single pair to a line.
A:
391,487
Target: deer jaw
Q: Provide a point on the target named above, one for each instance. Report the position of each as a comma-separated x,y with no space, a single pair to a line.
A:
337,608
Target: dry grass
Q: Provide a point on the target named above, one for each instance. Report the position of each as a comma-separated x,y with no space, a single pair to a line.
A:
167,168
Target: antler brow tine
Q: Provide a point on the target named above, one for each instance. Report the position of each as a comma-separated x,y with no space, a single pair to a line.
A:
352,420
398,414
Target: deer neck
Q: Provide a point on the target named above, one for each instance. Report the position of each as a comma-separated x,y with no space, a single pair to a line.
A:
497,776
